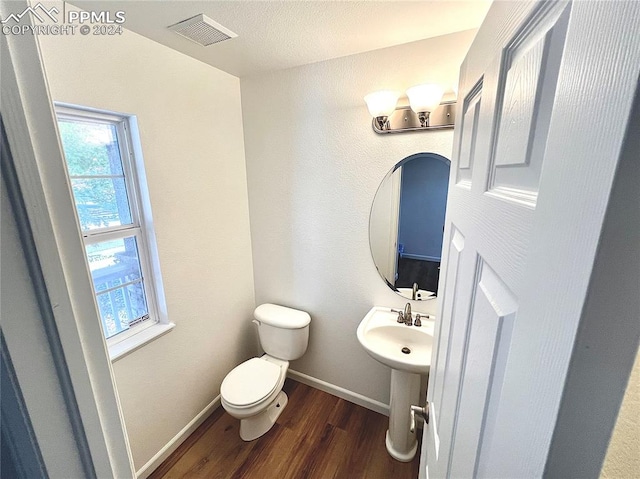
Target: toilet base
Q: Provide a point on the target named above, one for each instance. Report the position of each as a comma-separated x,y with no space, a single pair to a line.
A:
255,426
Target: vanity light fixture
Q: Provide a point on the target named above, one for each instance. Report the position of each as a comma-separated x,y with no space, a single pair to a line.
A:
425,110
381,104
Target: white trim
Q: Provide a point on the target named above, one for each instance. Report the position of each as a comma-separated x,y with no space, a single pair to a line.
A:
87,114
27,112
139,339
177,440
146,217
340,392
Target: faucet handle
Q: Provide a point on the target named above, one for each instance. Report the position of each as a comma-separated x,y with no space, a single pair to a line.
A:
417,321
400,317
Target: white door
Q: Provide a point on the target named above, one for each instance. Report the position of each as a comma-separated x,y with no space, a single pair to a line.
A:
545,96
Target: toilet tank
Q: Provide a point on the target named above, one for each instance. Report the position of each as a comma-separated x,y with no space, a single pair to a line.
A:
283,332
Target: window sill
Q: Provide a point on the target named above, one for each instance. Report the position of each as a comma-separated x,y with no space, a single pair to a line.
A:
121,349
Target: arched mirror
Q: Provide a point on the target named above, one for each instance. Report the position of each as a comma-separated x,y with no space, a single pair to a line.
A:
407,223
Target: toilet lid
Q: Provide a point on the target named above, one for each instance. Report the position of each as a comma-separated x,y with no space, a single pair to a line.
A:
250,382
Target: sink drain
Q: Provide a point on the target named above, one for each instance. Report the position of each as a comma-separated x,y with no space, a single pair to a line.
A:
406,350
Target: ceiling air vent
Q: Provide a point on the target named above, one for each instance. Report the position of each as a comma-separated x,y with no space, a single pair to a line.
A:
202,30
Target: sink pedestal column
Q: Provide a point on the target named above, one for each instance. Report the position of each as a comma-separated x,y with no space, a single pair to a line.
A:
405,391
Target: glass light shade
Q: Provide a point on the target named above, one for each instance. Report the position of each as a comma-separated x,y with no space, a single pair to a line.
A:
381,103
423,98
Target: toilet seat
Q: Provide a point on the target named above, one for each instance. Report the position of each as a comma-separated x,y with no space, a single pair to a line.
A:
250,383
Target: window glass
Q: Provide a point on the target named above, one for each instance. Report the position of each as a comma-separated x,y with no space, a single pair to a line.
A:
97,176
90,148
101,202
117,281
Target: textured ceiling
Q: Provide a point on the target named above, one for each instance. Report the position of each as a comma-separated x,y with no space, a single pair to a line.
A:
275,34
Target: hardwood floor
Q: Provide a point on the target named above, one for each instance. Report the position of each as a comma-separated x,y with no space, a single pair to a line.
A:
318,436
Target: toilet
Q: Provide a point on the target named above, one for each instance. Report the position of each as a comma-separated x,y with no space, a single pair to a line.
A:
252,391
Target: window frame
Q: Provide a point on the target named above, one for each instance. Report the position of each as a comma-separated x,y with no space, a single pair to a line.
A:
130,157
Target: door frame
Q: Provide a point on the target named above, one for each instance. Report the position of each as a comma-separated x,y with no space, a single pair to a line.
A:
61,283
608,337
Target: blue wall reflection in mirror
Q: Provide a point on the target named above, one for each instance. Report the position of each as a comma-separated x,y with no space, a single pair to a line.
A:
423,203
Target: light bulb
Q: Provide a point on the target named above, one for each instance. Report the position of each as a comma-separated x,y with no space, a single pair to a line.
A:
381,103
425,98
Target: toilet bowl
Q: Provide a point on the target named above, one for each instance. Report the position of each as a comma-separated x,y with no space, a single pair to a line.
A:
252,391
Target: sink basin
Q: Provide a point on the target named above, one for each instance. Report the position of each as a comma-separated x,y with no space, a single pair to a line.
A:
401,347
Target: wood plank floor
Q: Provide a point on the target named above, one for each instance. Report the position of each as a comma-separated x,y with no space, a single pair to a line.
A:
318,436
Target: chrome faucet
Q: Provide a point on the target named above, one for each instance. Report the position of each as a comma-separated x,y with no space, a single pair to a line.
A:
405,316
408,320
414,291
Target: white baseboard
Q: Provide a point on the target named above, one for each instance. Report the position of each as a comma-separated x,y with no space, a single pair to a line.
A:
178,439
343,393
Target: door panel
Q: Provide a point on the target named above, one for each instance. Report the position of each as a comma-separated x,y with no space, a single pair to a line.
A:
526,89
449,369
486,352
444,336
468,134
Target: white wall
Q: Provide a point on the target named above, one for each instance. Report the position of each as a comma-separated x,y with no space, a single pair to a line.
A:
313,167
190,123
623,455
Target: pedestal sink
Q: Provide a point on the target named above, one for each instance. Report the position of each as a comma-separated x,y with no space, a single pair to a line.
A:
407,351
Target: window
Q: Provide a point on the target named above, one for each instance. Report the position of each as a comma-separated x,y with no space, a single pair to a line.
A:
98,148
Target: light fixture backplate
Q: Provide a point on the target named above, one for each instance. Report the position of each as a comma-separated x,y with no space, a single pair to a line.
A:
403,119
